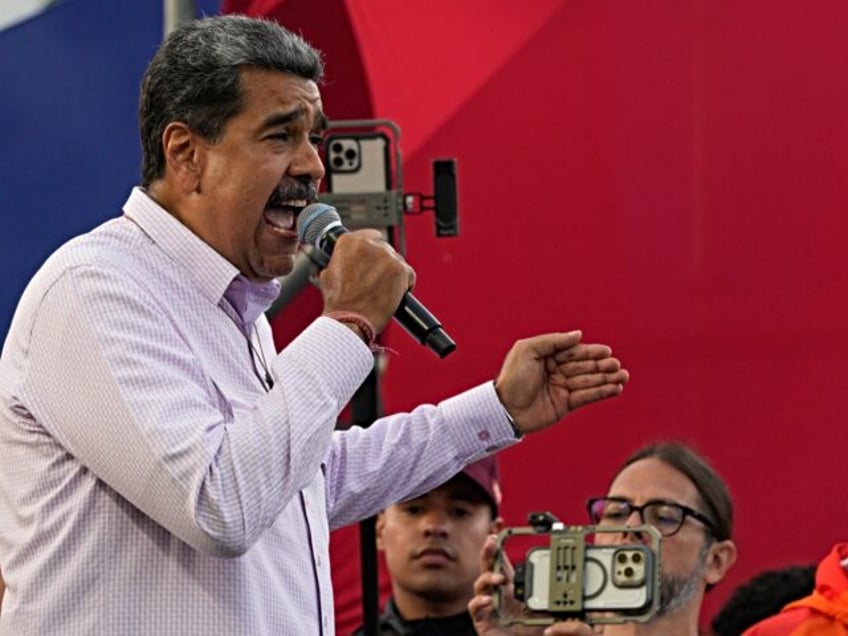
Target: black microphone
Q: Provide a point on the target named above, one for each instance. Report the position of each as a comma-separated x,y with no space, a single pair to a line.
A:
319,225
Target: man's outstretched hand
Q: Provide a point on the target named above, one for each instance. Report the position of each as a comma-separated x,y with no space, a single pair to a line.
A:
546,377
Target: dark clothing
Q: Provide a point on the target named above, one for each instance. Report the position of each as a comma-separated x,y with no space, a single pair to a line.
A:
391,623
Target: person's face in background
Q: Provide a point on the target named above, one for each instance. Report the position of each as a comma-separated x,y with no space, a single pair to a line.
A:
433,543
691,559
245,190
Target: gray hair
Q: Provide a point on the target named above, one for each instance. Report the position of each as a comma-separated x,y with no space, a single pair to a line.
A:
195,75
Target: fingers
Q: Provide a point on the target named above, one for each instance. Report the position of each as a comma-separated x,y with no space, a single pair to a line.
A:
482,611
579,367
365,276
566,348
586,374
410,273
592,380
569,628
551,344
488,553
487,582
589,374
412,277
544,378
576,399
480,607
584,352
376,237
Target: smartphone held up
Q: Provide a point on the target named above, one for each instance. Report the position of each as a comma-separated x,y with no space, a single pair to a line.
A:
578,572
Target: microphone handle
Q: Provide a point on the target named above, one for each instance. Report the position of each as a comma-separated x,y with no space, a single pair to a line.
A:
411,314
423,326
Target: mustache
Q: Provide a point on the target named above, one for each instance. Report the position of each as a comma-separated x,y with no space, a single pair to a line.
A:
297,190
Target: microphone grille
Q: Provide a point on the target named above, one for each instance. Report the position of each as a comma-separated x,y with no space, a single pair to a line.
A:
313,220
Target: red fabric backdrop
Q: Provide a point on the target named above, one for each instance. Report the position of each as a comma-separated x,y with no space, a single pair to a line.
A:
668,176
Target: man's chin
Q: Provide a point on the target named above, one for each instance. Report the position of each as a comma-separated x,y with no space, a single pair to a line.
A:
677,592
439,591
284,270
273,267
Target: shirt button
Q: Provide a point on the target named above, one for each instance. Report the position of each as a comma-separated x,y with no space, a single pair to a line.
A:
484,436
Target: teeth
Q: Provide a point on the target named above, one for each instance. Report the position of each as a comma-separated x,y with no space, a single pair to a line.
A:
296,203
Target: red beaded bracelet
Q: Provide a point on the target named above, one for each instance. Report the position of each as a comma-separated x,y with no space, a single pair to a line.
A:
369,334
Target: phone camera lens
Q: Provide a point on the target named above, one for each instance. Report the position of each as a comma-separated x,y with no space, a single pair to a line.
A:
636,558
628,572
337,147
350,154
338,162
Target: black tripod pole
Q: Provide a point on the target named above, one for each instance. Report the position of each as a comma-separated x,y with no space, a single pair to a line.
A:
365,407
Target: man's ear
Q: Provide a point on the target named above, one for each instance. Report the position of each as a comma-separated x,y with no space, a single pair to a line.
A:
183,156
721,557
378,527
497,525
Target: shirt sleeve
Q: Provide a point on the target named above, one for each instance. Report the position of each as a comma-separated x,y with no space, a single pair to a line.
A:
406,454
123,391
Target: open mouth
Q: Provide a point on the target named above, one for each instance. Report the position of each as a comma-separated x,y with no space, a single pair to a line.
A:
281,218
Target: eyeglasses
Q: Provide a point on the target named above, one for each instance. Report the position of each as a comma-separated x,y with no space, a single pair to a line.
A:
666,516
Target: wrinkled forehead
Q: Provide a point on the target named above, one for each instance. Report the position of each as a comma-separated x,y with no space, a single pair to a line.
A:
269,90
652,478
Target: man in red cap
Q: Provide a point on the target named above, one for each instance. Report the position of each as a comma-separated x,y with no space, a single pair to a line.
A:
432,546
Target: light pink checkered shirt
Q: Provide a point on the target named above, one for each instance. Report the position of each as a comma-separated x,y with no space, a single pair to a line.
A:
148,482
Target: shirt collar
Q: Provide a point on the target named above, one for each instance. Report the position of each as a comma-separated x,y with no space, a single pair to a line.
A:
249,299
214,275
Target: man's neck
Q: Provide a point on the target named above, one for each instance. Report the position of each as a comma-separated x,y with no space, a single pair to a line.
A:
413,607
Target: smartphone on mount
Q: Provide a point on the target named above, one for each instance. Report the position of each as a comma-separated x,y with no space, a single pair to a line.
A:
577,572
357,162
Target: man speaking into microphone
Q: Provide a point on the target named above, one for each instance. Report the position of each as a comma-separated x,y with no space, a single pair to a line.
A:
164,469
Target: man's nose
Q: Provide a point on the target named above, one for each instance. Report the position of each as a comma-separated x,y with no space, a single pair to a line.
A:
307,162
635,518
635,536
435,523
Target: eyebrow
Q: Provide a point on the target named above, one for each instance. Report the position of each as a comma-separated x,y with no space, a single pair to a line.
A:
322,123
660,501
283,119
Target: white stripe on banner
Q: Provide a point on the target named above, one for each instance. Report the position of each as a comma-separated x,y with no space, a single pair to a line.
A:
15,11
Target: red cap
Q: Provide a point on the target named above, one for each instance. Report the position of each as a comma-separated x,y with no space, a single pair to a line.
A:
484,473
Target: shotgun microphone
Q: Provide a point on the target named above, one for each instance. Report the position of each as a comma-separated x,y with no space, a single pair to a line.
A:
319,226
